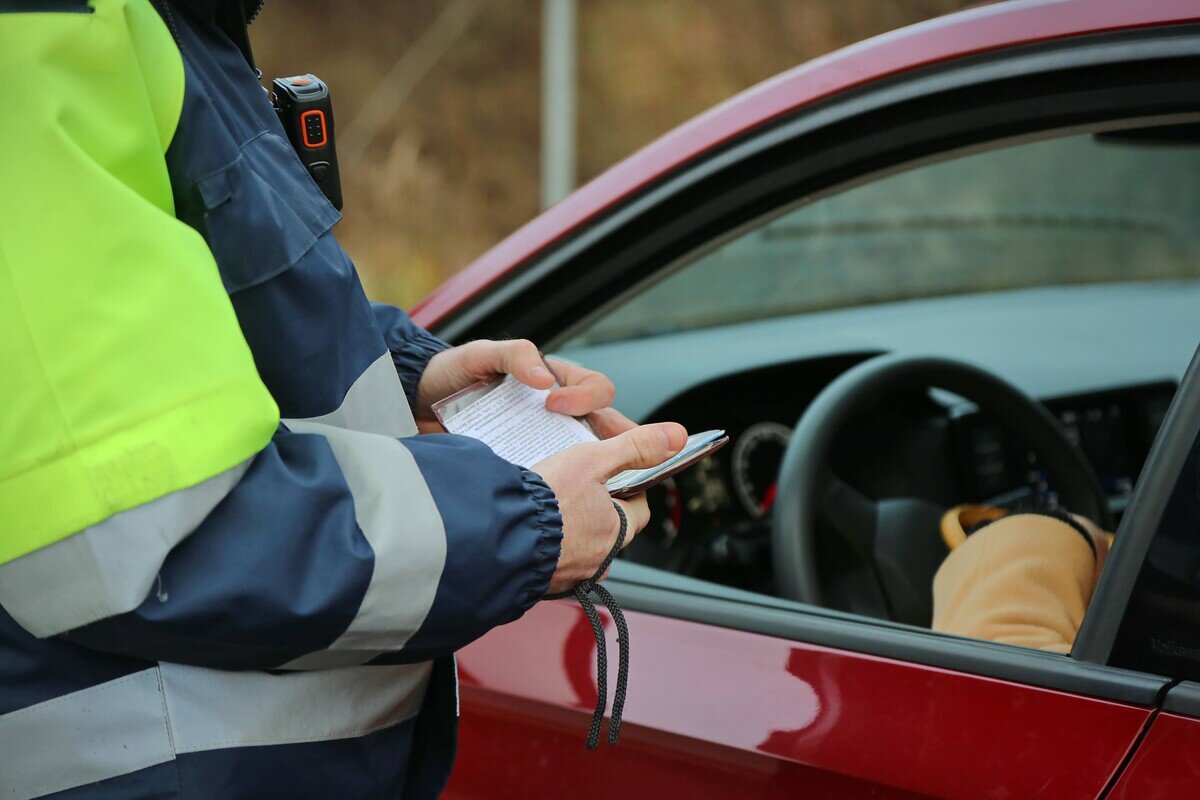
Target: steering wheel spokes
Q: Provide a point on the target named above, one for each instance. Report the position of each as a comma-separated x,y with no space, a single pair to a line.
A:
897,538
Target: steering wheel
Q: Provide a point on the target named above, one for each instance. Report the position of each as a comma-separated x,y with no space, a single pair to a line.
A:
898,539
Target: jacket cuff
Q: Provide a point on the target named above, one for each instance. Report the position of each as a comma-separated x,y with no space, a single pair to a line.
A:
549,523
411,357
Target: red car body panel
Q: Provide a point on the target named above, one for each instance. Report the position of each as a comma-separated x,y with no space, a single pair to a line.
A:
1167,765
1006,24
714,712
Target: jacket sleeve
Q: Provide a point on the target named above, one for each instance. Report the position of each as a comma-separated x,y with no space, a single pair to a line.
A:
152,503
411,346
337,547
1024,580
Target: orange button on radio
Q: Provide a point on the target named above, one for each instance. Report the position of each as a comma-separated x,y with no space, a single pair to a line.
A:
312,128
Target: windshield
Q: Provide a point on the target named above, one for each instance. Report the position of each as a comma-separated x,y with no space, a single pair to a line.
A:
1075,210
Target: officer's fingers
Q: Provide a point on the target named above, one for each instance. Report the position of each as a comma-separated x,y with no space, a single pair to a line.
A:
518,357
638,448
583,390
638,514
608,422
524,362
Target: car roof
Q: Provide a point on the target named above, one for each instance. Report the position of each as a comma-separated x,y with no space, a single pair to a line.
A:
979,29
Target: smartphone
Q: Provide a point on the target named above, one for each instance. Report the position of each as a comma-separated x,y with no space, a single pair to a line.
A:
699,446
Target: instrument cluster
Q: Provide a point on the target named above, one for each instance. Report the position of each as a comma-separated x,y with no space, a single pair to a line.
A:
713,520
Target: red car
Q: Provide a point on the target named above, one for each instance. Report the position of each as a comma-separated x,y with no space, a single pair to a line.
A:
956,263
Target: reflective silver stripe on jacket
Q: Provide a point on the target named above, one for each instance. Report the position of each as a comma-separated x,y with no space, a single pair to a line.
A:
147,718
375,403
398,517
109,568
394,509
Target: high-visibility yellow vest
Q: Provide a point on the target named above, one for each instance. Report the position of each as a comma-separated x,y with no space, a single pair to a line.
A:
123,373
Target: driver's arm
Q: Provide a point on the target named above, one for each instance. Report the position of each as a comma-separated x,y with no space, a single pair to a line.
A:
1025,580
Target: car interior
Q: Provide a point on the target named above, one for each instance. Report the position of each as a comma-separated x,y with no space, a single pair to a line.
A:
998,324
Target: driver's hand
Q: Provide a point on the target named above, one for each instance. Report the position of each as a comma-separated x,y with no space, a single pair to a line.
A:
1025,579
969,519
583,392
577,476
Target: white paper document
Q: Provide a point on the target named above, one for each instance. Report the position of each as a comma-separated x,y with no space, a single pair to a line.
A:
512,419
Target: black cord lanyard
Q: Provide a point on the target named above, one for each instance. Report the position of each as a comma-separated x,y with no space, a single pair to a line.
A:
581,593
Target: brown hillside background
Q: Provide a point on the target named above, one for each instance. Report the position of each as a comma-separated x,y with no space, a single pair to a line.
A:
452,168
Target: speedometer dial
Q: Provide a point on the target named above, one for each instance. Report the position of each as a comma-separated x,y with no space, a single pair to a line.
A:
757,455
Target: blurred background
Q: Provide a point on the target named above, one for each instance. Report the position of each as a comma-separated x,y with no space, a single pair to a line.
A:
439,102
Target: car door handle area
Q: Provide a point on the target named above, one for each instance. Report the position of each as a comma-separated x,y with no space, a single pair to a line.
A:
729,713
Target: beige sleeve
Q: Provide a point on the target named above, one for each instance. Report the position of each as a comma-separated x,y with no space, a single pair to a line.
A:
1024,580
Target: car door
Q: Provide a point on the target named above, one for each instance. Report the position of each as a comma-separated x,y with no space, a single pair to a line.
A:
718,709
1165,764
737,694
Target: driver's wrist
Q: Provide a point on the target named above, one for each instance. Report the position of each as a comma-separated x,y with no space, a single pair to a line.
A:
1057,514
1062,515
963,521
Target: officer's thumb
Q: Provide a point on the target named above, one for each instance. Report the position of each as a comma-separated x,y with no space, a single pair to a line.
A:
639,448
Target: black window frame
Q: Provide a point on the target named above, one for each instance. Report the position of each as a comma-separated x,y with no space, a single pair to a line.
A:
1179,435
998,97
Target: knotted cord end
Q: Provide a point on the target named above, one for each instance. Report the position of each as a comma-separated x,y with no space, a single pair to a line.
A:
581,593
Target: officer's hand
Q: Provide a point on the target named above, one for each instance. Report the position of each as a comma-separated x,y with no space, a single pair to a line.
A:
577,476
584,392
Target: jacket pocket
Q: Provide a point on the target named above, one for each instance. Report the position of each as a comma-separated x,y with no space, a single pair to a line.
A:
263,212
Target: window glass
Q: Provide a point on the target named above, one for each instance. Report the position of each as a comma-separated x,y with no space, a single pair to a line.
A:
1073,210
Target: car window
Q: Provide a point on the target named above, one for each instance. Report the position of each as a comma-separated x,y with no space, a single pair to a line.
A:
1073,210
1117,207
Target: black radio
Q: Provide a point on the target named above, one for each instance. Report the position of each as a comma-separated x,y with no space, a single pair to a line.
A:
304,108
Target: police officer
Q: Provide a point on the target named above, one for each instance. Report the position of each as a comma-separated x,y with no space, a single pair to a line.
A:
228,567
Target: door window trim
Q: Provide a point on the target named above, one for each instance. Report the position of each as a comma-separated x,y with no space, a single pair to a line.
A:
1183,699
1172,445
